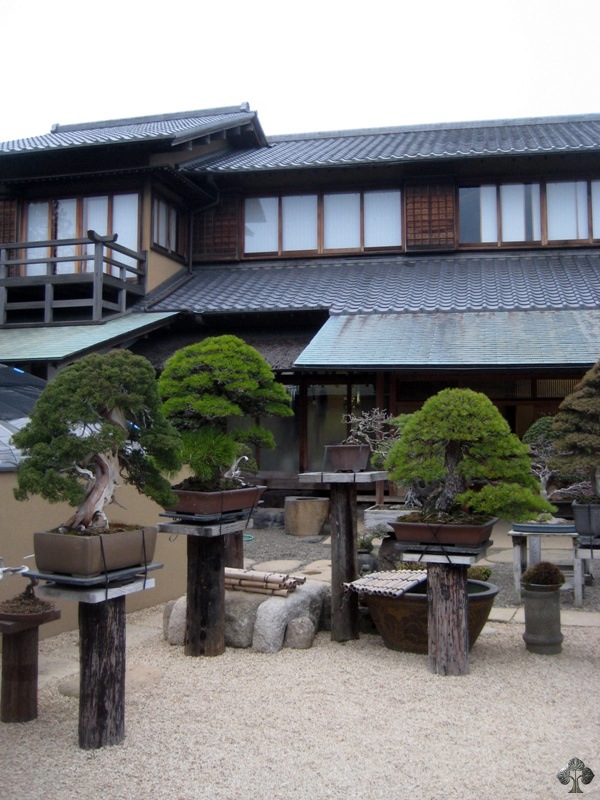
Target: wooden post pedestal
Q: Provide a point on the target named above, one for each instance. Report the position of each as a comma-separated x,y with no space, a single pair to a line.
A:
342,520
102,656
205,611
19,701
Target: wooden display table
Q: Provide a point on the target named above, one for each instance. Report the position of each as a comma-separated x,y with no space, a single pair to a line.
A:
342,520
205,611
101,647
20,641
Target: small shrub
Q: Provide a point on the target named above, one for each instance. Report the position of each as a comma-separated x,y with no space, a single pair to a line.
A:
543,574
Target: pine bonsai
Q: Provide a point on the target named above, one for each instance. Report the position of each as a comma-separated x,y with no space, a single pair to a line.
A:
577,429
460,452
205,388
99,421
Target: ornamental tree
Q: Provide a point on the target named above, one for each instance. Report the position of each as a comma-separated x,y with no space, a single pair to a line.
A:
461,453
97,424
214,392
577,429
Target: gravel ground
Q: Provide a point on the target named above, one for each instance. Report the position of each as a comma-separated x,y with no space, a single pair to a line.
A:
351,721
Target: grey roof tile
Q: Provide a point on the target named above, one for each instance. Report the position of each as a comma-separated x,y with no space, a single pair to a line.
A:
413,143
444,341
370,285
168,127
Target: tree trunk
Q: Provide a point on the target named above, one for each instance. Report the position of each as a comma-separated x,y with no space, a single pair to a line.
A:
102,676
100,491
454,483
447,622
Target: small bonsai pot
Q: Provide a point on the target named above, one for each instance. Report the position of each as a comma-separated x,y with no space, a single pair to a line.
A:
346,457
587,518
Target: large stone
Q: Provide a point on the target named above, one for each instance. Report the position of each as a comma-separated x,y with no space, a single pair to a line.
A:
275,614
240,616
300,633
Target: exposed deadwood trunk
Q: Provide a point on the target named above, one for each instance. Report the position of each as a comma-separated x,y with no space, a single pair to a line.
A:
100,491
454,483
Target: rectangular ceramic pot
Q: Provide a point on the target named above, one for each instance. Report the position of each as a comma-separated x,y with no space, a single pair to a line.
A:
424,533
87,556
215,503
587,518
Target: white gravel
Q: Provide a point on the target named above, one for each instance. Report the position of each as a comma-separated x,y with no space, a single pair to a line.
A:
353,721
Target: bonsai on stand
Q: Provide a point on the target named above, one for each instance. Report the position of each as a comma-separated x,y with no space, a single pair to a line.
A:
468,469
577,429
98,422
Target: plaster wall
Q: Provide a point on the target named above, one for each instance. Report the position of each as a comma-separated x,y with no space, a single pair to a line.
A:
19,521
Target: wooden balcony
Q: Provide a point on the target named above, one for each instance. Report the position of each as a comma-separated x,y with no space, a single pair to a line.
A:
90,279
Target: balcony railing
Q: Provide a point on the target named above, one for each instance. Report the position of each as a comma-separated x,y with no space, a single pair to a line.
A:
89,279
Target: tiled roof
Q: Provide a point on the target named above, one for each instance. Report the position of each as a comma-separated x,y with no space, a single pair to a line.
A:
443,341
174,127
413,143
55,343
523,280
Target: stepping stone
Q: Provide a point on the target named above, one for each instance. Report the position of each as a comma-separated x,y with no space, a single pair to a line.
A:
277,566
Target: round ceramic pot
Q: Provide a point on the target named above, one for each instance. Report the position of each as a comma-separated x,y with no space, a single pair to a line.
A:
402,621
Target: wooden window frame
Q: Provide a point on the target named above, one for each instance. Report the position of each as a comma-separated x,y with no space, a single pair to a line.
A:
544,241
320,249
179,252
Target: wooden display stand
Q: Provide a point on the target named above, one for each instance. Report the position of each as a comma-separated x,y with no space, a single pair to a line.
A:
206,556
342,520
447,598
101,648
20,640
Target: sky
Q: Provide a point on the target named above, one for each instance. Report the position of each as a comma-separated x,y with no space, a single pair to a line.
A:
303,66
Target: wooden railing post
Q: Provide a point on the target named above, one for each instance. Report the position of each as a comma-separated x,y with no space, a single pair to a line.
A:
3,276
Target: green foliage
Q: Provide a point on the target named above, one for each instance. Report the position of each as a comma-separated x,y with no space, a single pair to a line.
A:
460,448
101,404
206,386
544,573
577,428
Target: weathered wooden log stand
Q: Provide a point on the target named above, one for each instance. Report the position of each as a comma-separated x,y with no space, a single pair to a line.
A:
447,598
101,648
342,520
206,560
20,640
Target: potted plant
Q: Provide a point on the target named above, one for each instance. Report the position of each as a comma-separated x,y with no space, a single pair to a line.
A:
577,429
541,600
468,468
98,423
206,389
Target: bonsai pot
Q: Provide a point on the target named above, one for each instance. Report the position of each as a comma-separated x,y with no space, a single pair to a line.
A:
346,457
402,621
212,504
587,518
423,532
542,618
91,555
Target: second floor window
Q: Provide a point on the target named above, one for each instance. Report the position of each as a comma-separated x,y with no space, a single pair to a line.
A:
332,222
167,227
561,211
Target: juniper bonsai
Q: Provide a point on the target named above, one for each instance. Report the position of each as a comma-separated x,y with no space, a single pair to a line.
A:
98,422
461,449
205,388
577,429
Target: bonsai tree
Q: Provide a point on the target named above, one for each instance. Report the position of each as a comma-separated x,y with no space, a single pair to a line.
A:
205,388
375,428
460,452
98,422
577,430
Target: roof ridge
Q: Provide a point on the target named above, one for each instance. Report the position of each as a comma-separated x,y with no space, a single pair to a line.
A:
435,126
111,123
